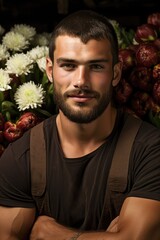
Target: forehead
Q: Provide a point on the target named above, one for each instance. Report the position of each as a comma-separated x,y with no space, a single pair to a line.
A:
73,47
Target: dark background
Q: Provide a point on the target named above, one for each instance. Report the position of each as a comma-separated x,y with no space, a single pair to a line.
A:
44,14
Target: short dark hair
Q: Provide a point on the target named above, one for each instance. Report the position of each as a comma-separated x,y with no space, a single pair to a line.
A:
86,25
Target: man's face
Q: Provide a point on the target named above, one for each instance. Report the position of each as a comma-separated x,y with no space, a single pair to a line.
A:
83,78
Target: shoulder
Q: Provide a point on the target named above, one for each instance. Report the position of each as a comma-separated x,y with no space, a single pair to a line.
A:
147,142
50,122
148,134
146,146
21,146
50,128
145,162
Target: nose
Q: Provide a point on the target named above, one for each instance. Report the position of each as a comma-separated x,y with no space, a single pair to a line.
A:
82,78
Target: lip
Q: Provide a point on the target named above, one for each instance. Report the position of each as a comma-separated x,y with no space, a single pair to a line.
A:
81,98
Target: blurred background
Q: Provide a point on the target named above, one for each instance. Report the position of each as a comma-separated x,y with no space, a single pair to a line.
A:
44,14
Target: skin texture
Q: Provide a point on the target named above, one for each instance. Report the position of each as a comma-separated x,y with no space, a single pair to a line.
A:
77,67
16,223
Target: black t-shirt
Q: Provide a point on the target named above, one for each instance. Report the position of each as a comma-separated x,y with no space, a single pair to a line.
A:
76,187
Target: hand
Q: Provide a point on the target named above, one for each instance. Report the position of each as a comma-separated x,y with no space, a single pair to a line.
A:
113,227
48,229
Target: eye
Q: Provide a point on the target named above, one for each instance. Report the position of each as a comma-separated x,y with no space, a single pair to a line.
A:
68,66
96,67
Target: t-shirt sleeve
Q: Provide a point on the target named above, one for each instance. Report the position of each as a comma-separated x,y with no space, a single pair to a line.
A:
15,176
145,167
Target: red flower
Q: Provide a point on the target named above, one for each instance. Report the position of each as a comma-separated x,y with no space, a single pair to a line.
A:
156,71
27,121
141,78
147,55
145,33
12,133
154,19
156,92
127,57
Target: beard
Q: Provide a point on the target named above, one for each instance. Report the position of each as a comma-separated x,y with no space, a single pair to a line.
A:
84,114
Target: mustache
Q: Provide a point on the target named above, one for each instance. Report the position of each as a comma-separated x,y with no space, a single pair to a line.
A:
78,92
81,92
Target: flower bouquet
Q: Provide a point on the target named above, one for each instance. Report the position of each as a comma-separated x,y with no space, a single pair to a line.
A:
25,92
139,89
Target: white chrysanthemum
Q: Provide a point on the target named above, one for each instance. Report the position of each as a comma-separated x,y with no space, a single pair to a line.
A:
4,54
42,39
38,52
26,30
2,30
19,64
15,41
42,64
29,95
4,80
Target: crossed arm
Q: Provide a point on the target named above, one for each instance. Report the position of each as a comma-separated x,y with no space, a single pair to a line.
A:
139,219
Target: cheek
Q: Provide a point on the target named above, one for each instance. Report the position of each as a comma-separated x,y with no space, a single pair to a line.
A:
103,81
102,84
60,77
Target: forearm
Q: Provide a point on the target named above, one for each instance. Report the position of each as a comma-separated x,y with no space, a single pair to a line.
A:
108,234
125,235
95,236
49,233
47,228
139,219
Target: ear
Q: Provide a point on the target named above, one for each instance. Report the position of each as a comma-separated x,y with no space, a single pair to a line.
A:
117,70
49,69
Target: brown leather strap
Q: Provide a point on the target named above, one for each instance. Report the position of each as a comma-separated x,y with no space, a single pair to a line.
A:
117,180
118,174
38,160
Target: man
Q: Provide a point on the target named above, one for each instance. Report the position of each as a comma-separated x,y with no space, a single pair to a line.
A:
84,68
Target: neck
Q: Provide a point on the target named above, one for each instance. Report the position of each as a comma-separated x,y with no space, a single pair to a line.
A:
85,137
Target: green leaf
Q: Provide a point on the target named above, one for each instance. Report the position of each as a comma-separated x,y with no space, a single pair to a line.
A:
43,112
154,118
10,107
1,96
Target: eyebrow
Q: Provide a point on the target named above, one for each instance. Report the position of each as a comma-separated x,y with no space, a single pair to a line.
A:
66,60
